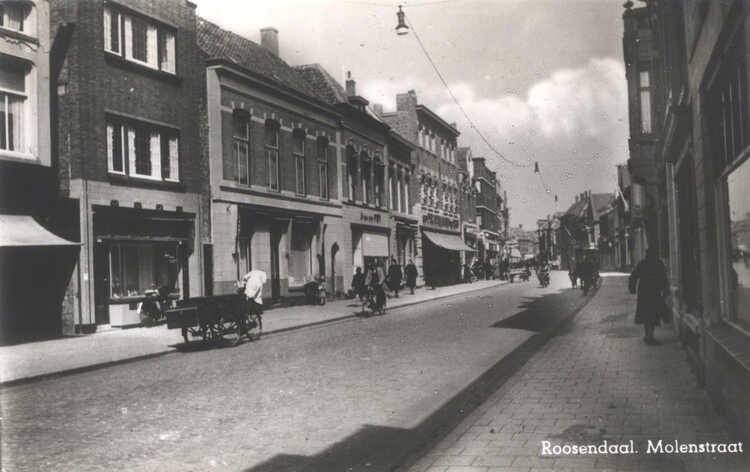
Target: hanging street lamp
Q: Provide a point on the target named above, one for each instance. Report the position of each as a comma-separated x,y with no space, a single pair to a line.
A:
401,28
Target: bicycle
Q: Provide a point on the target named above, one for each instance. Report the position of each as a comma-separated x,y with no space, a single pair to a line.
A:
370,303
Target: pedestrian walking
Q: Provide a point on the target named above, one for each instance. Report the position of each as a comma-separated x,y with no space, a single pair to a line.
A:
572,274
358,283
411,276
394,277
649,280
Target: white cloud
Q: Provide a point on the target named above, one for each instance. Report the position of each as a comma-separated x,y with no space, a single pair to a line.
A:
573,122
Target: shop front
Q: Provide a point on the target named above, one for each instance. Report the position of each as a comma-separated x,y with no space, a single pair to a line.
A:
136,251
406,243
370,231
442,257
286,245
35,267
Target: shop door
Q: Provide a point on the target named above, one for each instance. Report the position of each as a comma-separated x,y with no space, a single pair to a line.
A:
101,284
275,272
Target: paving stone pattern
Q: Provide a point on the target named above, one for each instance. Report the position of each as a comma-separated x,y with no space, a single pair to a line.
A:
596,381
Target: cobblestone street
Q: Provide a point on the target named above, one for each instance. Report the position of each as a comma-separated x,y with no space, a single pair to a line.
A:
358,394
597,381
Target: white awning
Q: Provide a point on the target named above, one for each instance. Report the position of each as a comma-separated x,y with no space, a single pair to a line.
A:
374,244
447,241
23,230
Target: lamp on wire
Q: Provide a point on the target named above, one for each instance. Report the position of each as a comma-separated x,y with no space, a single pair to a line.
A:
401,28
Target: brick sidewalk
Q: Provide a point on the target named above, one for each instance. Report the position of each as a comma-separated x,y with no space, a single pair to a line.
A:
596,381
21,362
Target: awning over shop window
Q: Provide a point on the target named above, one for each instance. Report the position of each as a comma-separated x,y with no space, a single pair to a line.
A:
447,241
23,230
374,244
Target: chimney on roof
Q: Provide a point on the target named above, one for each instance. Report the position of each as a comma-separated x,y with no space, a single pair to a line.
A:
407,101
378,109
351,85
269,39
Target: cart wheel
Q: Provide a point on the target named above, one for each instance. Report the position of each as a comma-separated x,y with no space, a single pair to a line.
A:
232,331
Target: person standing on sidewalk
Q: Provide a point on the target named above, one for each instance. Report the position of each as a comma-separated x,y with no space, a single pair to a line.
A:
650,281
411,276
394,276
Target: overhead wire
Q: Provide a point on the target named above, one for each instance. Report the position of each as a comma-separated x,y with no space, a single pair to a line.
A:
458,103
473,126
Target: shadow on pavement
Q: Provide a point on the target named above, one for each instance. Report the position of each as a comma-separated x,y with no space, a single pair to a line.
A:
542,314
382,448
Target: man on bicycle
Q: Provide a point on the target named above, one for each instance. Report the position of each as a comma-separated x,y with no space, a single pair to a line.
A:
375,280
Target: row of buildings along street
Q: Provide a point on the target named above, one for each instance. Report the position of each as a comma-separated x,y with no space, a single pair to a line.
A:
684,189
143,146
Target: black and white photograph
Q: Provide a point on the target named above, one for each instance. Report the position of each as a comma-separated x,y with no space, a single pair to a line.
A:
375,235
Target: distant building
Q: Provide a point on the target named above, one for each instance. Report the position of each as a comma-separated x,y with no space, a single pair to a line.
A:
485,183
440,242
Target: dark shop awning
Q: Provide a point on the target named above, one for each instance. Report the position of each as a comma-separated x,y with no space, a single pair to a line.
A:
23,230
447,241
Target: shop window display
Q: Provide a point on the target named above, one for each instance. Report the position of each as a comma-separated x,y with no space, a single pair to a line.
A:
137,267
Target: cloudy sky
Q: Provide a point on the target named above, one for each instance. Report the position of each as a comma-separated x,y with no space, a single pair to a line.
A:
543,80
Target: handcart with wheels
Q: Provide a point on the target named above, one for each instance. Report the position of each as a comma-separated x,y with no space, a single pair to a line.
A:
230,317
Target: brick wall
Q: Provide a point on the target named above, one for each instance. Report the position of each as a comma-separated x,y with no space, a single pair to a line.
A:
97,82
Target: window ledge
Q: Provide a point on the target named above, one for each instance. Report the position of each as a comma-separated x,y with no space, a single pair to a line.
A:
120,179
18,35
733,340
117,60
19,156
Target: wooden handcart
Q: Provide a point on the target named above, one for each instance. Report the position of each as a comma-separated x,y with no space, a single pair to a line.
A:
216,318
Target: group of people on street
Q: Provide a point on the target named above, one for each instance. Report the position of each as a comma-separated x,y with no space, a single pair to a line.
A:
584,273
376,278
478,270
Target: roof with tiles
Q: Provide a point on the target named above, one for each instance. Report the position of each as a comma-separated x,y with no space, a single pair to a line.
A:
324,84
327,87
219,43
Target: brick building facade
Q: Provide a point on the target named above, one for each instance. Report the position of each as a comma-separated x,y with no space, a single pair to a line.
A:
128,86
